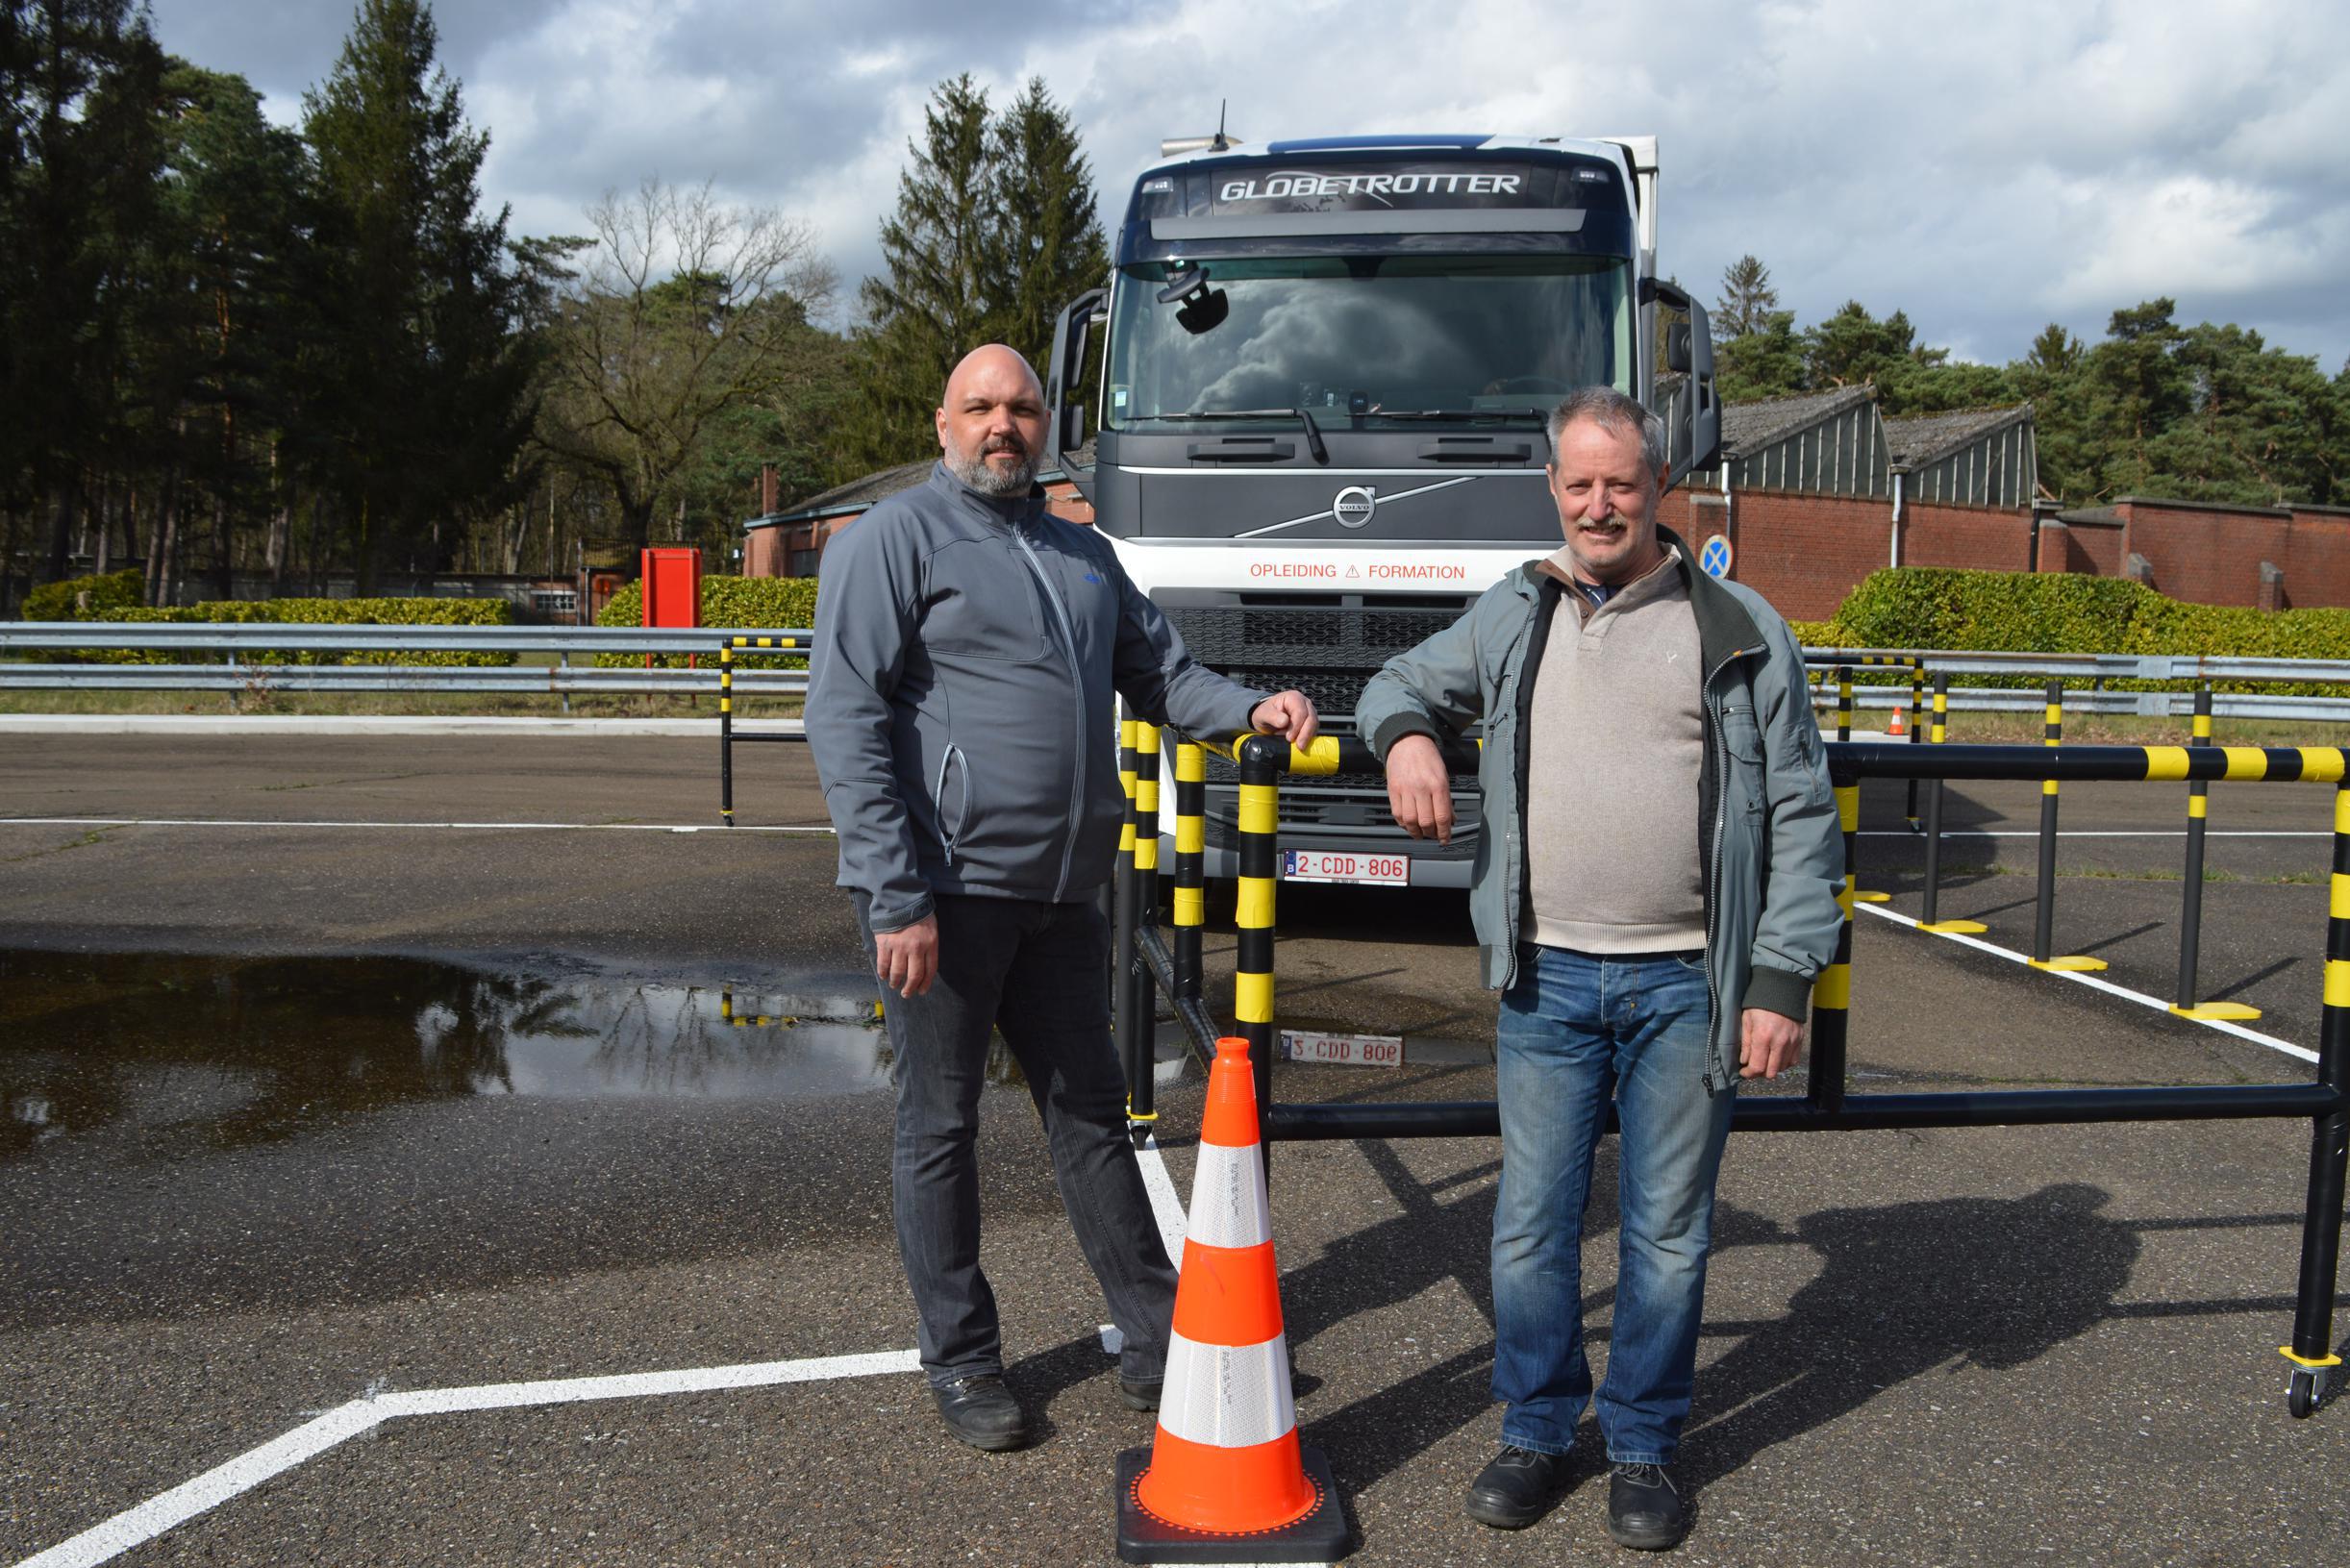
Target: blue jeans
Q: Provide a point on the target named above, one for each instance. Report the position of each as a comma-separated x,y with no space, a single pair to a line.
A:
1038,972
1577,1030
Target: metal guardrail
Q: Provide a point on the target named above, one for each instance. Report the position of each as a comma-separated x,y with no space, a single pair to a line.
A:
253,679
2093,666
297,637
248,677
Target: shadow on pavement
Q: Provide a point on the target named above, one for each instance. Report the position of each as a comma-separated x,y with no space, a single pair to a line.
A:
1902,1289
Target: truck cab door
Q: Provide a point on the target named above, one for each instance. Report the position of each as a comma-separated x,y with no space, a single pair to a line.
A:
1065,385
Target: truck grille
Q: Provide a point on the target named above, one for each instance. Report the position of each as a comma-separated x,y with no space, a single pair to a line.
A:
1323,649
1327,649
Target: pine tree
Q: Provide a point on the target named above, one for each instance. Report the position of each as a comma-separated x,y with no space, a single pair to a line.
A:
938,300
418,388
994,232
1050,247
1765,361
1747,302
79,155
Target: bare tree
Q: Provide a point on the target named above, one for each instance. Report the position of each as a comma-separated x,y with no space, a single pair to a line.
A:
683,311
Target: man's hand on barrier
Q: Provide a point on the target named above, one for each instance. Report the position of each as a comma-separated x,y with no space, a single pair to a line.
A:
1418,791
1288,715
905,961
1769,1043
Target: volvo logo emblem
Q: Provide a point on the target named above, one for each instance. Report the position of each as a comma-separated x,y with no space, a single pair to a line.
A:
1354,505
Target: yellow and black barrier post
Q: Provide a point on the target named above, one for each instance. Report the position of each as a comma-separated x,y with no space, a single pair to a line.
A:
1131,1019
2317,1375
728,736
1141,1100
1831,991
1262,759
1929,916
1191,901
1918,732
1143,964
2043,917
1843,702
2191,907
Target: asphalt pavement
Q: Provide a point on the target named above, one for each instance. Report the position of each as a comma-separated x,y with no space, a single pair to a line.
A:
352,1066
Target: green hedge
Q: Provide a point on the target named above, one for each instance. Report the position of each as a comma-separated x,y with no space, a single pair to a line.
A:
85,598
779,602
308,613
1920,607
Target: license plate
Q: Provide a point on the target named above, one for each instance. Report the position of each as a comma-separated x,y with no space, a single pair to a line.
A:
1342,1050
1332,866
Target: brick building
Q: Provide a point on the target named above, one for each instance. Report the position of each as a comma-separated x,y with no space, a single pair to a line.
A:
1817,491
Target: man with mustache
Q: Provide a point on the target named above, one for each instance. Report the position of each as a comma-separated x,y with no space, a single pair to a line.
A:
968,645
1655,891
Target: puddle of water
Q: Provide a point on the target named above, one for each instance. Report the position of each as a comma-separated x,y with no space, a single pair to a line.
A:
230,1051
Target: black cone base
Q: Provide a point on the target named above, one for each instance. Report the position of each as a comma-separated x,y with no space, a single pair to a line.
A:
1321,1536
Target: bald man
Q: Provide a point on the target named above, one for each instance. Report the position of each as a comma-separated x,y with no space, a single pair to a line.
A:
959,708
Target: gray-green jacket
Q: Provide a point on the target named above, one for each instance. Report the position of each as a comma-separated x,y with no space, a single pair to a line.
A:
1768,838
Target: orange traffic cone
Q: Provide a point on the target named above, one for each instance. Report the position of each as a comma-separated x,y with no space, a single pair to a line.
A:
1896,728
1227,1480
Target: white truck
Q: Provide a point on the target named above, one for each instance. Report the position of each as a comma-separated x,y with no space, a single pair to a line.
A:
1319,418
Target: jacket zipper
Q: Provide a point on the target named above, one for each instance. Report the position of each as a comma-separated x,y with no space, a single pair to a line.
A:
1713,859
1077,689
1517,893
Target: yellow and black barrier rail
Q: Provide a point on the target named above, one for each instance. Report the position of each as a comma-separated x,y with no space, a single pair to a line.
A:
2317,1371
728,734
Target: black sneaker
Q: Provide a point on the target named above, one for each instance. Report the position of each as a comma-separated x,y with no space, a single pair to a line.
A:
1644,1510
1138,1395
1515,1489
981,1411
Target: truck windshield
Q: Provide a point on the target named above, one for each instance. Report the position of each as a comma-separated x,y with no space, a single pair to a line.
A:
1366,336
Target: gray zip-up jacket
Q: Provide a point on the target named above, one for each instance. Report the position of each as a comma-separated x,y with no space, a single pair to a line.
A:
1769,843
959,698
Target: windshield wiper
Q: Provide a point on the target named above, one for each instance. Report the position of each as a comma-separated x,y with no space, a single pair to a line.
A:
1459,416
1313,432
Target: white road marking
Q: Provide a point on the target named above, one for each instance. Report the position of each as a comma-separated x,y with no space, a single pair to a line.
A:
2095,983
1166,1204
291,822
135,1527
1166,1207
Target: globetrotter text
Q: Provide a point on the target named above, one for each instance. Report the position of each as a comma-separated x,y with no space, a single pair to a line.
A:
1369,185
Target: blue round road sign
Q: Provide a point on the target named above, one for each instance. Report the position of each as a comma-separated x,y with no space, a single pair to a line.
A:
1715,556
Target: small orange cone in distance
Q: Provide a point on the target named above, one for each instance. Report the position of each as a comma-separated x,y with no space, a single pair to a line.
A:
1897,728
1226,1479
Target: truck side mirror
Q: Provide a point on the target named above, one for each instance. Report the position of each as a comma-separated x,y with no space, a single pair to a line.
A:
1065,373
1677,347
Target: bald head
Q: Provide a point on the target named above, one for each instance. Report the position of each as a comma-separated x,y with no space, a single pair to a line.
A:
991,421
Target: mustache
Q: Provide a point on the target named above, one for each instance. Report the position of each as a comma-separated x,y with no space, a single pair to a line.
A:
1004,443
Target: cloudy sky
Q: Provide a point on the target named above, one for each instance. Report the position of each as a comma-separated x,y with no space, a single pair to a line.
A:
1989,167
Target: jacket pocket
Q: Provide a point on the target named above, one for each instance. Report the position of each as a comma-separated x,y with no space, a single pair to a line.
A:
953,767
1743,740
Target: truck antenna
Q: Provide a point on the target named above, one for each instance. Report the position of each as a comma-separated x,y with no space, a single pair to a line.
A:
1221,145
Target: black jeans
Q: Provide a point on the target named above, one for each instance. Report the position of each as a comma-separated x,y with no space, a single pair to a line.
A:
1038,972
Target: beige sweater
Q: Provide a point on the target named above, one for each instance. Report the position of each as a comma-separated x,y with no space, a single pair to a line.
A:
1615,744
